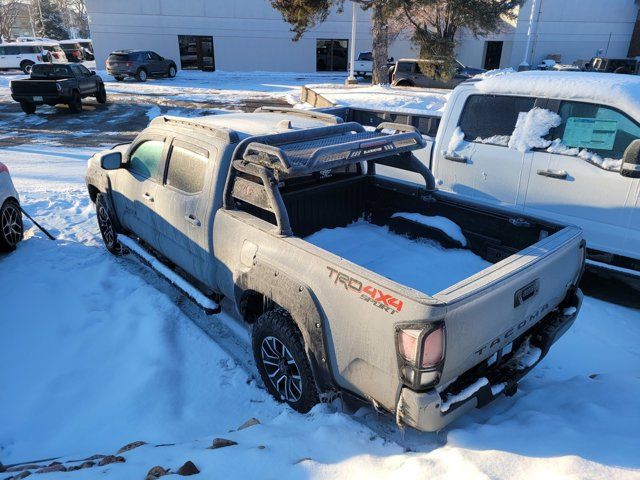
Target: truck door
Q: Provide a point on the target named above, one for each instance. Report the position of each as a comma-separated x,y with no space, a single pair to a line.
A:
136,185
184,207
588,190
474,160
86,81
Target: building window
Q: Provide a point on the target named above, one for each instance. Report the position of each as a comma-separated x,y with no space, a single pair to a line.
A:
331,55
196,52
492,55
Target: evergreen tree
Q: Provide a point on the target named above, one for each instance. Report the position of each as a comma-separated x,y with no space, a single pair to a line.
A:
48,19
306,14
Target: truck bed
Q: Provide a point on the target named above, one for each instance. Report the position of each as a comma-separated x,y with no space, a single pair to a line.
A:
422,264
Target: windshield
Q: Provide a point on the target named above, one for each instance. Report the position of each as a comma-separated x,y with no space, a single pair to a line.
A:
43,70
366,56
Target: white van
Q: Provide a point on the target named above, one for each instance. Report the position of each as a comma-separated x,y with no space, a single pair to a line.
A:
23,55
550,144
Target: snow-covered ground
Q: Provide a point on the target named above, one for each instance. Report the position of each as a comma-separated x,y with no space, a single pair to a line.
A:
418,101
97,352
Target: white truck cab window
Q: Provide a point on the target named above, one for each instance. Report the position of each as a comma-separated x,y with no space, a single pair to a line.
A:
186,170
602,130
146,158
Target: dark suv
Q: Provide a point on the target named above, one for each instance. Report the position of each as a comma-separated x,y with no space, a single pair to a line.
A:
407,73
140,64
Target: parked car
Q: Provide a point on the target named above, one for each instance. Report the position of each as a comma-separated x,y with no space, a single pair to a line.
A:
54,84
87,47
140,64
585,171
407,73
227,199
612,65
73,50
363,66
23,55
11,228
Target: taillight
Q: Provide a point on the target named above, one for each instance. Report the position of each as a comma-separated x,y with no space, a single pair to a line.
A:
56,55
74,54
421,351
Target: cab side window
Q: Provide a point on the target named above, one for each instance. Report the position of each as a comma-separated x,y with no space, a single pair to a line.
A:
146,159
492,118
596,128
187,168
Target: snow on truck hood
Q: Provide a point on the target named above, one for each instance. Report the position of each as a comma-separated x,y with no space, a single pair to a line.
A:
607,88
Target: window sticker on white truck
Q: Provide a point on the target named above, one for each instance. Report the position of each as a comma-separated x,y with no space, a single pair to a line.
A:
590,133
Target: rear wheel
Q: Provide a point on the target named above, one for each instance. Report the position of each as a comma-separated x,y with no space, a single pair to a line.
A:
278,350
28,107
404,83
26,65
101,96
172,71
141,76
107,226
11,228
75,105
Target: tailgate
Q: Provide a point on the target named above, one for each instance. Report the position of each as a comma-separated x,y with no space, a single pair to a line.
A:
489,310
34,87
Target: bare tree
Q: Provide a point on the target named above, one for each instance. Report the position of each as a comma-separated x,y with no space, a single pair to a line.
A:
9,12
435,24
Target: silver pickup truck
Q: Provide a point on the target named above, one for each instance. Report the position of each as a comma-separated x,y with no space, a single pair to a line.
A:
352,283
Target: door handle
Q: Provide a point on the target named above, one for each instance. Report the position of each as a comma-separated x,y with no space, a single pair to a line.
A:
192,220
456,158
148,197
559,174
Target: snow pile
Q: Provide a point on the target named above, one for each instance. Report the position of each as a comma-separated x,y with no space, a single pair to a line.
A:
422,265
385,97
498,72
531,128
557,146
495,140
456,141
446,226
463,395
622,90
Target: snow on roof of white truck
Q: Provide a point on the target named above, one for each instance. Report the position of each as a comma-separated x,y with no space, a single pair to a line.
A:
608,88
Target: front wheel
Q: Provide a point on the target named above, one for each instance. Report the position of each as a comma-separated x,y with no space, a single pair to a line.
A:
28,107
11,228
107,226
101,96
75,105
278,350
172,71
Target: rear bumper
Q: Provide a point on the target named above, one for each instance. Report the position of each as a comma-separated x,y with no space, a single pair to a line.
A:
46,99
433,410
120,72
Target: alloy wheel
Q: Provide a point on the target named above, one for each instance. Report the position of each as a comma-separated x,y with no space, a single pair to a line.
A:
281,368
11,225
106,226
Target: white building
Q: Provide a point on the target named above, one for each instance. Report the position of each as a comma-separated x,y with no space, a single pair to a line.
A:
248,35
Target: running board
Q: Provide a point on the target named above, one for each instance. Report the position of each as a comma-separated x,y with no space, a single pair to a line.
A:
209,306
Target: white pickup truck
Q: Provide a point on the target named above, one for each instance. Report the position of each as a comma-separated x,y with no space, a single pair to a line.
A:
558,145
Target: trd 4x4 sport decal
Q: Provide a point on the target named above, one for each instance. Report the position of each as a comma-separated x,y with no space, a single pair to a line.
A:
368,293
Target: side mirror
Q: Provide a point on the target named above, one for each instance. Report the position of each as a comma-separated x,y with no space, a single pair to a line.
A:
111,161
631,160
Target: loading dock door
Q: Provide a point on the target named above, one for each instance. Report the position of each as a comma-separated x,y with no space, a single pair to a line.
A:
492,55
331,55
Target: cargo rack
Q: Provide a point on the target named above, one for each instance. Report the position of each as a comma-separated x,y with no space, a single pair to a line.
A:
267,160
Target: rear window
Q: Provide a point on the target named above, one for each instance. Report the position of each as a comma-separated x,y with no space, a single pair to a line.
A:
119,57
45,70
186,169
366,56
405,67
486,117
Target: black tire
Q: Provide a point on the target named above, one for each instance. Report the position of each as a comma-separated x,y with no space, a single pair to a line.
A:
28,107
404,83
171,73
75,105
11,227
107,226
26,65
101,95
301,392
119,79
142,75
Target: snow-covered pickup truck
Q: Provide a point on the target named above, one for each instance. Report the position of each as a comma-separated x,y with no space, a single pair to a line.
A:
558,145
394,294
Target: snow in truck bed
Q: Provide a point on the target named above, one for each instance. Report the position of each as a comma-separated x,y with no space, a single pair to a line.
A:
423,265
